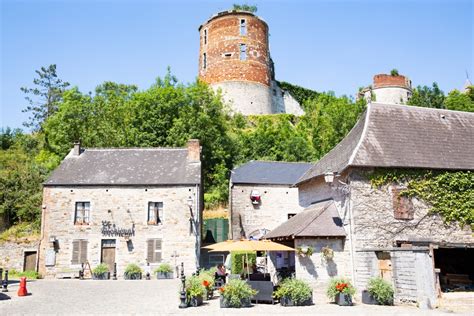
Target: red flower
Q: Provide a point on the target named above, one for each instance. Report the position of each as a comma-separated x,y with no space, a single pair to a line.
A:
221,289
205,283
341,286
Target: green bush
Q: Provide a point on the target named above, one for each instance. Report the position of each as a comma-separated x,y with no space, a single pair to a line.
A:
100,269
239,257
339,285
194,287
381,290
296,290
30,275
164,268
133,268
236,290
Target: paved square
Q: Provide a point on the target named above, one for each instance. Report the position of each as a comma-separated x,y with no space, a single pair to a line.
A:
157,297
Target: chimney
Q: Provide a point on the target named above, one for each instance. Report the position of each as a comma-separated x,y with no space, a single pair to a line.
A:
194,150
77,148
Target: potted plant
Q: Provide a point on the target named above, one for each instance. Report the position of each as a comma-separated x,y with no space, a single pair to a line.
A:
340,290
236,293
164,271
101,272
327,253
207,279
294,292
133,272
305,250
194,291
378,292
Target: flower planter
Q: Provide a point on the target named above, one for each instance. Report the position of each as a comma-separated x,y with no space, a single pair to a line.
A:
367,298
102,276
133,276
164,275
244,302
286,301
343,299
195,301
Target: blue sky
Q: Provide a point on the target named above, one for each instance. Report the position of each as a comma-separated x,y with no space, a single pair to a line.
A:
322,45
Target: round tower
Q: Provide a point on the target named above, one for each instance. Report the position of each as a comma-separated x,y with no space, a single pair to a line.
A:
393,89
234,56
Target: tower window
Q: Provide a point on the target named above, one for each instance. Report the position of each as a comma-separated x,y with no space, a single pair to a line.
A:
204,61
205,36
243,52
243,27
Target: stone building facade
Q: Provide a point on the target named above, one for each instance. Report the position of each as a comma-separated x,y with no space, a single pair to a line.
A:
274,199
391,89
390,235
122,206
234,56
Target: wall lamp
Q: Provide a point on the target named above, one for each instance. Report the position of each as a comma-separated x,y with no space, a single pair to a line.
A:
329,178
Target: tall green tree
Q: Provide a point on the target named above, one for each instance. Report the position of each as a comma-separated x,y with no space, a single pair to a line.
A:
459,101
44,97
428,97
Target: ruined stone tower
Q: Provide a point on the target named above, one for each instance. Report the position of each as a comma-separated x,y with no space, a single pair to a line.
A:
234,55
386,88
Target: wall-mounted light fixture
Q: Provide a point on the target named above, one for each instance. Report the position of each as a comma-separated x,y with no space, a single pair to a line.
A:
330,177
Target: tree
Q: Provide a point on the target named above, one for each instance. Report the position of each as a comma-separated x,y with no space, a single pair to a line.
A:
44,98
460,101
394,72
428,97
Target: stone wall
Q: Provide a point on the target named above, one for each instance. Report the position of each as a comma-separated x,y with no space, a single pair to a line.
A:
284,102
375,225
245,97
122,206
390,95
276,203
318,271
12,254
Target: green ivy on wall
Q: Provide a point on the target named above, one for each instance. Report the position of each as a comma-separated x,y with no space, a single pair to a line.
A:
449,193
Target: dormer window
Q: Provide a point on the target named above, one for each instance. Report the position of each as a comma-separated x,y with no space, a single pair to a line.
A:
243,27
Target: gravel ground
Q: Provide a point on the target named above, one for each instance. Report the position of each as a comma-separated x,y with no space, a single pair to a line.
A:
71,297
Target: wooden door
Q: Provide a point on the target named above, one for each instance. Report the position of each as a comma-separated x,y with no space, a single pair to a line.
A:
108,253
30,261
385,265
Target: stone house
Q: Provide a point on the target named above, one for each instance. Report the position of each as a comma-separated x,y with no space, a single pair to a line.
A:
121,206
387,234
262,197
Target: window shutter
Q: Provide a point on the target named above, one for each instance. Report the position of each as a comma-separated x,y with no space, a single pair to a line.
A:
75,252
83,247
157,250
150,250
402,205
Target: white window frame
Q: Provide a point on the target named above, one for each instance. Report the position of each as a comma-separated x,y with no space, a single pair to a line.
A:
85,217
158,215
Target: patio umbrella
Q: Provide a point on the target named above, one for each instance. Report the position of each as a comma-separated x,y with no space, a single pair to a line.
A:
248,245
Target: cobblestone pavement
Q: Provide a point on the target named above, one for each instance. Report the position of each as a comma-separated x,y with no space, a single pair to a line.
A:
158,297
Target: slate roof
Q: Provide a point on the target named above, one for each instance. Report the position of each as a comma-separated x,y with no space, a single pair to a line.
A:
318,220
127,166
269,172
401,136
